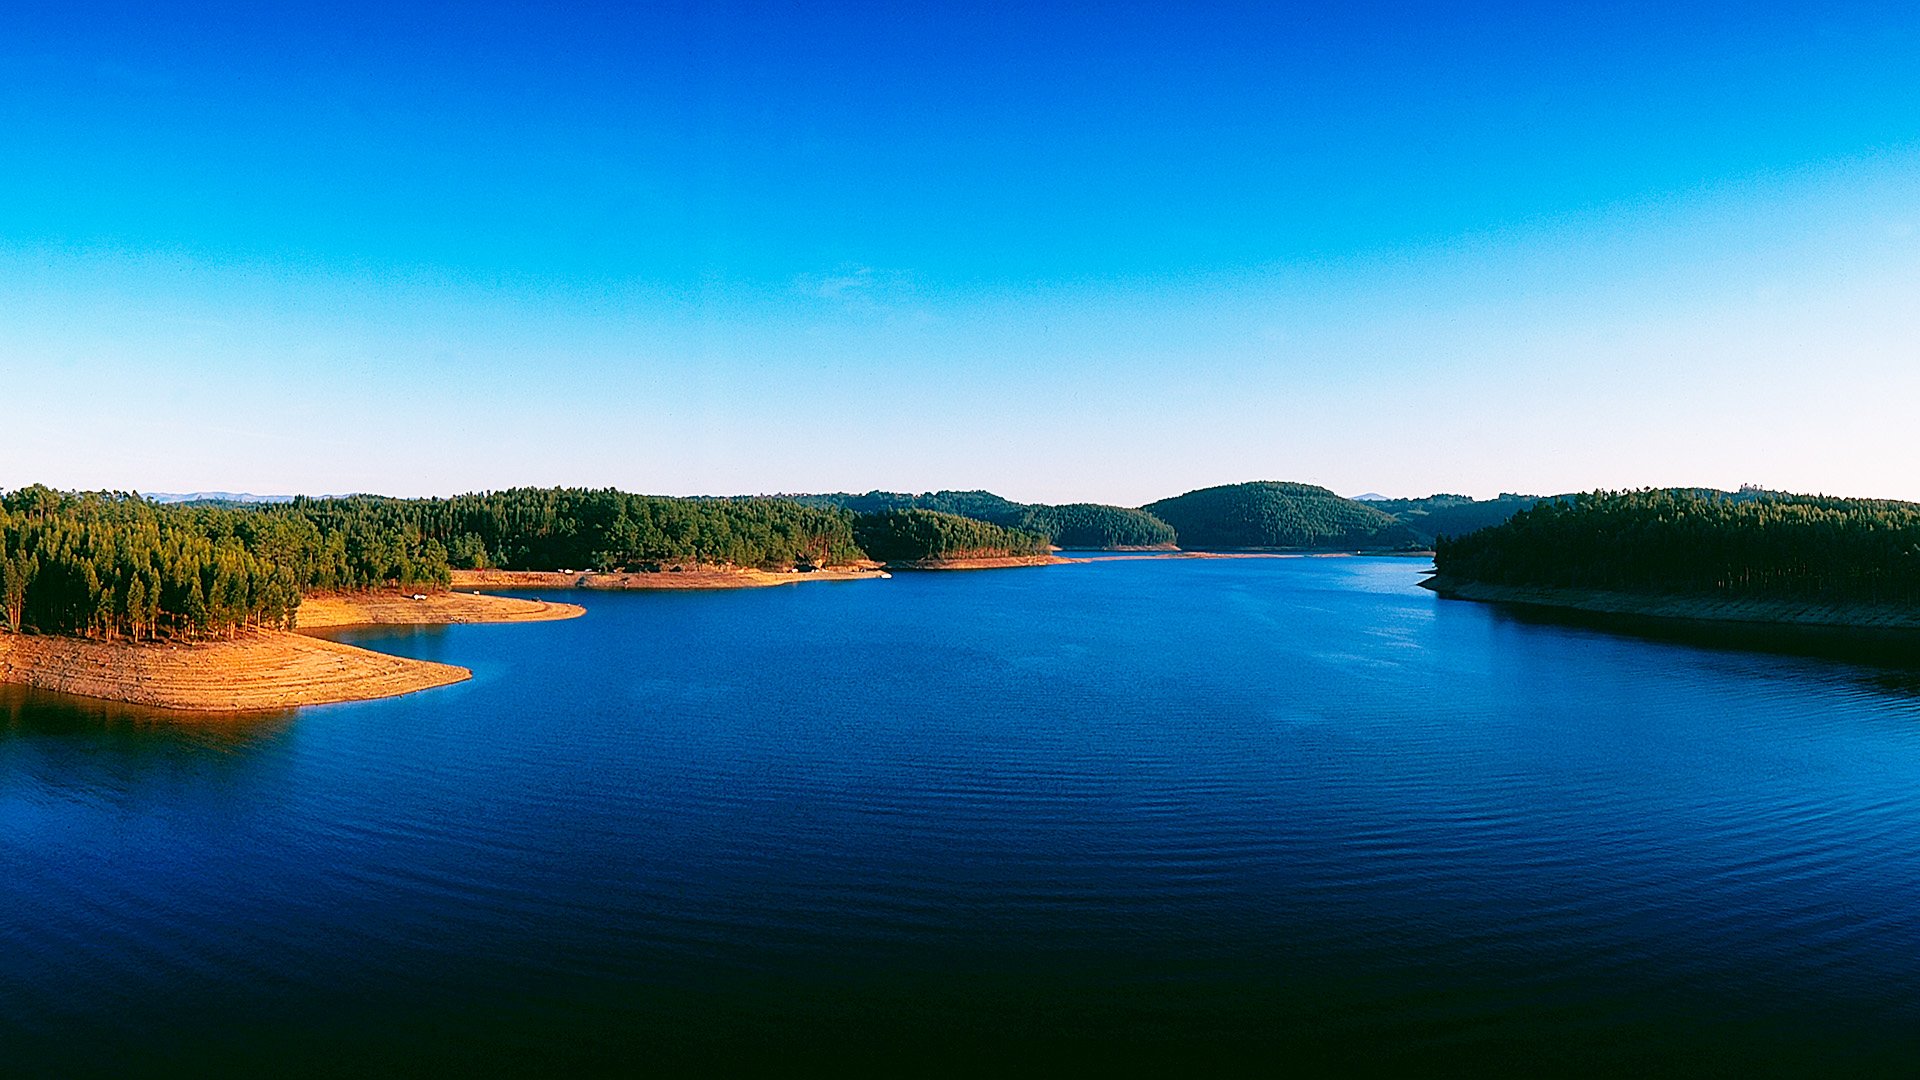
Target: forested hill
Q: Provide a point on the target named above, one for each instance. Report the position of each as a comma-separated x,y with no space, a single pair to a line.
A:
605,529
1072,525
1269,514
1451,515
1702,542
116,565
979,505
931,536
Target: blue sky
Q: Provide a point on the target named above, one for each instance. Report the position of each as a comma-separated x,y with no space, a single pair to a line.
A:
1060,252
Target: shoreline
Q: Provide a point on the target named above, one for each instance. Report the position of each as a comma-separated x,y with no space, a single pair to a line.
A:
258,671
1699,609
435,609
264,670
724,577
991,562
702,578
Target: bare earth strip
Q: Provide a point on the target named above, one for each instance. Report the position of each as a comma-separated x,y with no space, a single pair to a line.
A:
436,609
261,670
264,669
735,578
1705,608
991,563
702,578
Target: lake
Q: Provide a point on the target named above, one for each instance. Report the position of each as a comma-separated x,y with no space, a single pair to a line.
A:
1281,811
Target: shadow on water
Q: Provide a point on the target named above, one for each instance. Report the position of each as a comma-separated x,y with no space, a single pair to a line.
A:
1892,655
25,711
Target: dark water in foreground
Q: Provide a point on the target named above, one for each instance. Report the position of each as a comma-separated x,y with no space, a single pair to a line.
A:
1275,812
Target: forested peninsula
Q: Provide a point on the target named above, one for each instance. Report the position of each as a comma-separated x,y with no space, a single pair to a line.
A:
193,605
1746,556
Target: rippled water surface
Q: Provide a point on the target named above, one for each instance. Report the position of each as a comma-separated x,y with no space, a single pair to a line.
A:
1288,811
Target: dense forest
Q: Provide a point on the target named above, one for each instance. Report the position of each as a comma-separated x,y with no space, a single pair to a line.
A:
1094,525
919,535
979,505
114,565
1452,515
548,528
1072,525
1268,514
1744,544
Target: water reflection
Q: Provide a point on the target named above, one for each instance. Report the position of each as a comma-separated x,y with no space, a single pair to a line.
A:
1890,658
26,712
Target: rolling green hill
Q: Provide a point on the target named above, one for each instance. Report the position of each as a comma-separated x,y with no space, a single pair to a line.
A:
1452,515
1269,514
1072,525
922,535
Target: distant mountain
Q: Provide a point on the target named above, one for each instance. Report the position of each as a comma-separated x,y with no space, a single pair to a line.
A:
1271,514
1452,515
1371,496
227,497
1072,525
979,505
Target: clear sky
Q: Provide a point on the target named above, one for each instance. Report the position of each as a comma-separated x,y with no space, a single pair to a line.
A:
1075,251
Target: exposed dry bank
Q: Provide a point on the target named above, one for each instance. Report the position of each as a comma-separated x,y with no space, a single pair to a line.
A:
704,577
434,609
1702,608
992,562
258,670
263,669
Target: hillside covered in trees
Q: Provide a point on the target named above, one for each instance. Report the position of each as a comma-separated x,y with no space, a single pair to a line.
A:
115,565
1071,525
1702,542
1269,514
605,529
924,535
1452,515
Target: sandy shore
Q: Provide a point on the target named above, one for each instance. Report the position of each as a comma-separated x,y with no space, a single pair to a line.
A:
437,609
262,670
1698,608
996,563
702,578
730,578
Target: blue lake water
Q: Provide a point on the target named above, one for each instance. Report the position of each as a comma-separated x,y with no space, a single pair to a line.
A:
1287,811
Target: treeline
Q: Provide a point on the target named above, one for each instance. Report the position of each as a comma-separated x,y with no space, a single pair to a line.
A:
1074,525
1746,544
113,565
979,505
1452,515
605,529
1270,514
920,535
1094,525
